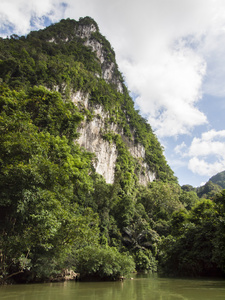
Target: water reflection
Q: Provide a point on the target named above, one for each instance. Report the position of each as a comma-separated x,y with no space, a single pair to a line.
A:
143,287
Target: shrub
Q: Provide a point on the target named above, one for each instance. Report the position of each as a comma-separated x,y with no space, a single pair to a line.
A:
103,263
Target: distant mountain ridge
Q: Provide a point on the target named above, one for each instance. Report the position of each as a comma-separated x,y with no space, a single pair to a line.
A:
219,179
211,188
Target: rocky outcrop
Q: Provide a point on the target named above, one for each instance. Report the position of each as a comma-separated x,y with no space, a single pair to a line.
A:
137,150
91,139
109,68
93,128
65,275
85,31
106,152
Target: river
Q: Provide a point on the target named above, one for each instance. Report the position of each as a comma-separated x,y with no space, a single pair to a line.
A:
141,287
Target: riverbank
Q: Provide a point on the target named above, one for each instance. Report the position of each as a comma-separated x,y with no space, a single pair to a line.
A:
143,286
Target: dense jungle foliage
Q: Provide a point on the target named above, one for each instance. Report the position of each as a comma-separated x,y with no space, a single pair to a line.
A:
56,212
219,179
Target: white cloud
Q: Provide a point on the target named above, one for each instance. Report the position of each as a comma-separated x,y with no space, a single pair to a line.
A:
211,142
18,14
169,85
212,49
165,49
208,153
180,149
205,156
202,167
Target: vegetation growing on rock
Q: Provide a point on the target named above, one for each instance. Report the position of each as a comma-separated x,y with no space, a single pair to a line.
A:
56,211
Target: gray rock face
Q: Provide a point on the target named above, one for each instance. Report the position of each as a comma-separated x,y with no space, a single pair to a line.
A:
108,67
105,152
91,130
85,31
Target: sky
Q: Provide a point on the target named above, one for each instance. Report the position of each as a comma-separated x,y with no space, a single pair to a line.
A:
171,54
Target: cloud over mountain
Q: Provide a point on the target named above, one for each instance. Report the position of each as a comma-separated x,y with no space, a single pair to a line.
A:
171,54
153,46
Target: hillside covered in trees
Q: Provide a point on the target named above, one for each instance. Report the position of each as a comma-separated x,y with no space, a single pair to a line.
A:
56,211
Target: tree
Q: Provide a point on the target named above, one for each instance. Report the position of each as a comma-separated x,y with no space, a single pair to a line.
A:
219,237
191,250
42,178
209,190
103,263
188,198
161,200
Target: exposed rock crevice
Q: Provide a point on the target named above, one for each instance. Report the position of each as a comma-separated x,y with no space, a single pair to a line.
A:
106,153
108,67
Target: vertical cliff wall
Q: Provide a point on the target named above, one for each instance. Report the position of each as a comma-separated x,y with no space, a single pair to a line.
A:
97,88
92,139
91,38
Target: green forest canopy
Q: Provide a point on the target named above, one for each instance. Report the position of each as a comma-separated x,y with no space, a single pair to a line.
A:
54,208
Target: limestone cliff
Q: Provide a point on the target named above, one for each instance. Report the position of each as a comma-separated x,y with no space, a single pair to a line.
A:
87,31
91,138
109,68
104,101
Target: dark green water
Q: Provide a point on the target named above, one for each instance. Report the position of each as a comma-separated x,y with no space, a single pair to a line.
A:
143,287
